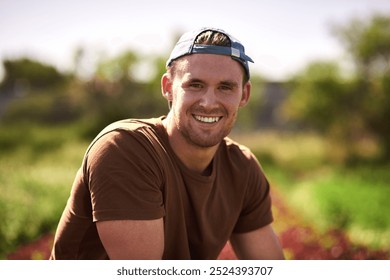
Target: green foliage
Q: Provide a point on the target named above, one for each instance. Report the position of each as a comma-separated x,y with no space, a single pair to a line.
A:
52,106
32,140
37,167
354,200
347,198
111,94
291,152
319,96
30,73
368,43
353,110
328,195
118,68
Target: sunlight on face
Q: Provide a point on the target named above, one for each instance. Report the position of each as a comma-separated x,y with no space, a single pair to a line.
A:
207,92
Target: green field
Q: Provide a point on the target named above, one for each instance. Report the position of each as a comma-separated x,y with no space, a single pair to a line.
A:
38,164
328,195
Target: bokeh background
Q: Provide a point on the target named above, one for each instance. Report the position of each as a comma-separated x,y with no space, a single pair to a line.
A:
318,119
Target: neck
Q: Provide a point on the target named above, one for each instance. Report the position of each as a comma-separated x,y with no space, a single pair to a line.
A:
195,158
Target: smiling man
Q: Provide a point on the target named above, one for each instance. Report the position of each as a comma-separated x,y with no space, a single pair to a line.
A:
175,187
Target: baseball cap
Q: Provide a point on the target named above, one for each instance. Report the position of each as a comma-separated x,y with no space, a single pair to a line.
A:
186,46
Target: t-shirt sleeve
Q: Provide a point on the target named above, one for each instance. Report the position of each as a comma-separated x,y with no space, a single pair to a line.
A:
256,211
123,178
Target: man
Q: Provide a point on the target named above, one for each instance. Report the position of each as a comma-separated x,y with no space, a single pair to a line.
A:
175,187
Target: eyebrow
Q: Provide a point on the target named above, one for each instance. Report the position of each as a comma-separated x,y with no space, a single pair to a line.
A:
229,83
194,80
224,82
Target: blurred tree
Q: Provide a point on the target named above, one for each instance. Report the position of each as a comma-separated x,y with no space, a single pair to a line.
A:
368,43
114,93
117,68
350,109
30,73
37,92
319,95
320,99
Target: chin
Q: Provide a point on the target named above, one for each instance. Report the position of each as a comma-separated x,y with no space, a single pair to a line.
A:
207,141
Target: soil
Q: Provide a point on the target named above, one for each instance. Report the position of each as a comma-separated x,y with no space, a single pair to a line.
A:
299,241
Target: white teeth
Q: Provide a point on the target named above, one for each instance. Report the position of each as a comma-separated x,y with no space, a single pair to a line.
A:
207,119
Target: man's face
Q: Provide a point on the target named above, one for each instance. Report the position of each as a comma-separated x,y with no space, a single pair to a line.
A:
206,92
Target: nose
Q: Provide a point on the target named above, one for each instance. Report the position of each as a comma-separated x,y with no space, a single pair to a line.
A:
209,99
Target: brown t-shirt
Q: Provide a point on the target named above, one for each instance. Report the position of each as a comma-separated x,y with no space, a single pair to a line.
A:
131,172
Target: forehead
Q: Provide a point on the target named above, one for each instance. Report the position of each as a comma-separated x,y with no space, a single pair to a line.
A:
209,67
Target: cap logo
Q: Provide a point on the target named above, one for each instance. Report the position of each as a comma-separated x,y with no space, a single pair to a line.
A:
236,52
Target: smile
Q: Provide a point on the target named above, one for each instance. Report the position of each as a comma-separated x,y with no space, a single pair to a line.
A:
207,119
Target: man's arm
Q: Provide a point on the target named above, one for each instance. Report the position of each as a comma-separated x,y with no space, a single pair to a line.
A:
132,239
258,244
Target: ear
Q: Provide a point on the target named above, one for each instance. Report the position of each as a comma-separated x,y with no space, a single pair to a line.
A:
166,86
246,92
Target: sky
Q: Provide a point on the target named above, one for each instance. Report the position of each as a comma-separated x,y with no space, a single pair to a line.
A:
281,36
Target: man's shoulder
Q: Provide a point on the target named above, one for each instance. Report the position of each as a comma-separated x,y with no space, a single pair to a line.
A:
238,155
131,125
242,163
125,132
238,149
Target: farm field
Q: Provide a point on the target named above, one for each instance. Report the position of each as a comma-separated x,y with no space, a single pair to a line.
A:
322,210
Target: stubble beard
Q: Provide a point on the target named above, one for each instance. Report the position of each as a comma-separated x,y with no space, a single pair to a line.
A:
202,139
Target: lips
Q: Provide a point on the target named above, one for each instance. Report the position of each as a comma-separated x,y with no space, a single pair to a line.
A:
207,119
